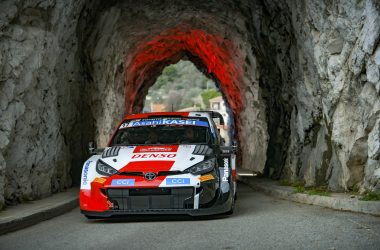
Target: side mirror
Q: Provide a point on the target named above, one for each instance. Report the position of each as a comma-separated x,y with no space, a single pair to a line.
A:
234,146
92,148
222,141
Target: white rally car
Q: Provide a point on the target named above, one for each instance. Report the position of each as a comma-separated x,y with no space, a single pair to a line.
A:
161,163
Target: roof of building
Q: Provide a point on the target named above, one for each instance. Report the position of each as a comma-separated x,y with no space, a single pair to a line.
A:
189,109
216,99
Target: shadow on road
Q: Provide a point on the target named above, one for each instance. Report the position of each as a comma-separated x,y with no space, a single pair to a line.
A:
156,218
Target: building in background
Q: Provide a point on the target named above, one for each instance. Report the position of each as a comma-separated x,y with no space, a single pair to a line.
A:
189,109
157,107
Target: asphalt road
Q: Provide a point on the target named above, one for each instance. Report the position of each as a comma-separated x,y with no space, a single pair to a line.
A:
259,222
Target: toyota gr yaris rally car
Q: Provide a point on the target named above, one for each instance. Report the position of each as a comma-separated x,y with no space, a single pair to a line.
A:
161,163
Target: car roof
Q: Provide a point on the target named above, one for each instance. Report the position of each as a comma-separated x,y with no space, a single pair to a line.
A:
169,114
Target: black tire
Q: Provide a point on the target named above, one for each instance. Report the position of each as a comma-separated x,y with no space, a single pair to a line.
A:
231,211
90,217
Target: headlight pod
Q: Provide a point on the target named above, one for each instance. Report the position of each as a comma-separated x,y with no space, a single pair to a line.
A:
202,167
104,169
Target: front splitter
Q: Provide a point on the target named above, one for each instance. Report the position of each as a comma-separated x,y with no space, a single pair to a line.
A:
218,209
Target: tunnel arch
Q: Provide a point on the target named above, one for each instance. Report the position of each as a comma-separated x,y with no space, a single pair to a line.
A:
218,51
220,57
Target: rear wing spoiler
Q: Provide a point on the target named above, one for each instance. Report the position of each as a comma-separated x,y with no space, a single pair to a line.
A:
214,115
218,116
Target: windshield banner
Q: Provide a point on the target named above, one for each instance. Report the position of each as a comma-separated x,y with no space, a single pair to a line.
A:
153,122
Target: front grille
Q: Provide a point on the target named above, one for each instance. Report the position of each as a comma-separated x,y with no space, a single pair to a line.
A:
160,173
166,173
149,191
151,198
132,173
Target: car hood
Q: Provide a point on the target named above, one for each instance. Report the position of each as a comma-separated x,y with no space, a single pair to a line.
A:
154,158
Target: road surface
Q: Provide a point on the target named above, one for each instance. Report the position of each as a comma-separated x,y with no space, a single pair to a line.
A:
259,222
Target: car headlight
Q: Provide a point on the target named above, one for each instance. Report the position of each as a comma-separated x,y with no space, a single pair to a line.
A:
202,167
104,169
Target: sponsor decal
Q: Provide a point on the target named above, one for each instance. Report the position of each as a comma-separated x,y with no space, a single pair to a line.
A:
85,172
143,149
123,182
155,149
124,125
153,156
226,171
154,122
177,181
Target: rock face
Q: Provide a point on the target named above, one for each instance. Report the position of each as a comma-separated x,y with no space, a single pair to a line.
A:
302,80
40,98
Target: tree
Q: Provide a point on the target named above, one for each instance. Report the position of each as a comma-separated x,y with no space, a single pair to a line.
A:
209,94
181,85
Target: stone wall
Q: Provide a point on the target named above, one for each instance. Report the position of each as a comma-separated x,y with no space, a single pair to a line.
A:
334,121
40,104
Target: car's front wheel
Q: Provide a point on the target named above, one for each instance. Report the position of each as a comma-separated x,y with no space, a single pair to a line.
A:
90,217
231,211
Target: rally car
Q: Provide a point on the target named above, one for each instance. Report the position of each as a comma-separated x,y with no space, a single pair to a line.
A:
161,163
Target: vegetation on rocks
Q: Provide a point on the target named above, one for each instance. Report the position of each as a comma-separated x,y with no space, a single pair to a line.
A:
322,191
299,187
371,196
180,86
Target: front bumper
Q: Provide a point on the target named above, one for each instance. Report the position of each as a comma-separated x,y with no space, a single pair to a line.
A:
207,198
217,209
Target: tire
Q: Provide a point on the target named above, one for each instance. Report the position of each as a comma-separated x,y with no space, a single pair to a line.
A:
90,217
231,211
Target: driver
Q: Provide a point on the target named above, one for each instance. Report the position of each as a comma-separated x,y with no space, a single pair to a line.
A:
152,138
188,135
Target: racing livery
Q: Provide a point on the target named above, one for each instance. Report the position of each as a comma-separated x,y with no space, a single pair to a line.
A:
167,162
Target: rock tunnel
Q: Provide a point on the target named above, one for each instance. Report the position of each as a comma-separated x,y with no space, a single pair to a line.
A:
302,80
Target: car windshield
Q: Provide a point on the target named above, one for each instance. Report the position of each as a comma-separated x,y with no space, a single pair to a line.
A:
163,131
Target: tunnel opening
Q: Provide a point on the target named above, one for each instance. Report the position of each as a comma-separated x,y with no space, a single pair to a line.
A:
182,87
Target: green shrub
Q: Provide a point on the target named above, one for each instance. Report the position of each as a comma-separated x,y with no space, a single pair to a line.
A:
285,182
371,196
209,94
316,191
299,189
